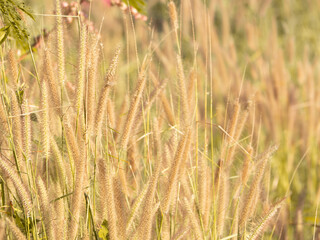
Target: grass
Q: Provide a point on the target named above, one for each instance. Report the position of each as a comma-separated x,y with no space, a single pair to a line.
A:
201,125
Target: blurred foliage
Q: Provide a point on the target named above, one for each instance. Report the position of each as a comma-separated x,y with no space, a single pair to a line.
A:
14,25
158,13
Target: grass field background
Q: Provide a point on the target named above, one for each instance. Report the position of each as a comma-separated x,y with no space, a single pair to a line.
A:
201,122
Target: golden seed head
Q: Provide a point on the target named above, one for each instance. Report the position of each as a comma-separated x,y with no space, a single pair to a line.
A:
173,15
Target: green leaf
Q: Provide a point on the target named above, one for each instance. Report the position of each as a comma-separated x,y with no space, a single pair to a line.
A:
23,8
4,32
10,14
140,5
104,232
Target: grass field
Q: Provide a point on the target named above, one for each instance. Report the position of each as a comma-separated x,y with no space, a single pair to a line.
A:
199,122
